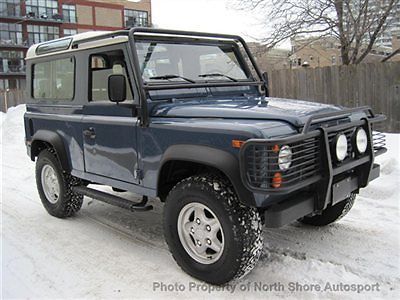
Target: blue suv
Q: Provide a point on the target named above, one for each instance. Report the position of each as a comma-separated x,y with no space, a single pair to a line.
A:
185,117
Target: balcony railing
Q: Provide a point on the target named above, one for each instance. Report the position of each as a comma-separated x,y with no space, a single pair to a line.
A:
13,43
57,18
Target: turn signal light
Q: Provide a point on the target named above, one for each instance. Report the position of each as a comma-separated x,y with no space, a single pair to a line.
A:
276,149
277,180
237,144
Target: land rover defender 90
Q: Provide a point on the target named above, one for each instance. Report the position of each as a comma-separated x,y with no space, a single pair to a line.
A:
186,118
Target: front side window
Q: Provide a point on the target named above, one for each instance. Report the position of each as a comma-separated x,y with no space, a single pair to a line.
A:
196,62
102,65
54,80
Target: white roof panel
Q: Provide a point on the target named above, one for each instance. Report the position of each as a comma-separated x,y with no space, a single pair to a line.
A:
78,37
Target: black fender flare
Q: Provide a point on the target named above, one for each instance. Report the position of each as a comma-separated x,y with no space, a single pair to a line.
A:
54,140
221,160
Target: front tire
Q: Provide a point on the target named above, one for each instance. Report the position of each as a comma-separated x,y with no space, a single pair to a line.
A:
331,214
54,186
210,234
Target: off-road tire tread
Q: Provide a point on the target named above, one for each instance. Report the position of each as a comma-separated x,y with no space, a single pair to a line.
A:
70,202
247,221
331,214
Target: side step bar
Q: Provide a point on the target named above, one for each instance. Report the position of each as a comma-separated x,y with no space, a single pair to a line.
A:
112,199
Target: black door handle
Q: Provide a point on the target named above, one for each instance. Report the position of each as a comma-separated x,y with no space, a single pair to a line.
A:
90,133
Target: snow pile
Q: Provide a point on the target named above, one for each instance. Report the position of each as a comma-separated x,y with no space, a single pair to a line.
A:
108,252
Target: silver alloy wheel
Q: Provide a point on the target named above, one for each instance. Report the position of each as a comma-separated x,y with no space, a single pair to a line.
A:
50,184
200,233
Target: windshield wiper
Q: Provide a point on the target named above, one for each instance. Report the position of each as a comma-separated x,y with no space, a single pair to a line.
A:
218,75
171,76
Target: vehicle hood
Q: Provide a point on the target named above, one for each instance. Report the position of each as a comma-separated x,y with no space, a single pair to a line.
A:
291,111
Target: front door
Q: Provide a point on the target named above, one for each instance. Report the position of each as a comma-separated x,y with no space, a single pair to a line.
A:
109,129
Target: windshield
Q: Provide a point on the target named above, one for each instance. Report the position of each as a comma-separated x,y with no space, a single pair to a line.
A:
189,62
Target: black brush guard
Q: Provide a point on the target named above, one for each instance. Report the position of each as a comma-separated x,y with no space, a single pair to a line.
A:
313,164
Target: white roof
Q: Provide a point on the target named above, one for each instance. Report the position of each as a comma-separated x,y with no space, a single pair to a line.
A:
107,40
78,37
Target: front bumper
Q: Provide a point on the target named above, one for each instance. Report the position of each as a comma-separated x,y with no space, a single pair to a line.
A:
288,211
313,172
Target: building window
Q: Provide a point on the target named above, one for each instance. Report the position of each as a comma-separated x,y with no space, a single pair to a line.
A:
10,8
69,13
42,8
69,32
54,80
38,34
12,84
12,62
136,18
10,34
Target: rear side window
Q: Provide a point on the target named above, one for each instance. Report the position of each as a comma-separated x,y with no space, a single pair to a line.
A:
54,80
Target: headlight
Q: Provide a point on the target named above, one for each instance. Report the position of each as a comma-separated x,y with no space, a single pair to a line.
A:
341,147
285,157
361,140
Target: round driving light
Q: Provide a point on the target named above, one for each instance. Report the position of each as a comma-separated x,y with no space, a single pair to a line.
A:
341,147
361,140
285,157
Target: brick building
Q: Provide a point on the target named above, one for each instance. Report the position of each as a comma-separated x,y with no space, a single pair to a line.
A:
26,22
325,51
270,59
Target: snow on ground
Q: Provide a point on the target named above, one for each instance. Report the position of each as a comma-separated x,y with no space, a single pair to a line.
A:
108,252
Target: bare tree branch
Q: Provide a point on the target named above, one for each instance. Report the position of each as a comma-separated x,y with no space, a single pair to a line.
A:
355,23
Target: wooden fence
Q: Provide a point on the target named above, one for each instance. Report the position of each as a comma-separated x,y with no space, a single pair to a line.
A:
376,85
11,98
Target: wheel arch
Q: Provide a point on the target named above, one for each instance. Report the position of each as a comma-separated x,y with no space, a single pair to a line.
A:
44,139
182,161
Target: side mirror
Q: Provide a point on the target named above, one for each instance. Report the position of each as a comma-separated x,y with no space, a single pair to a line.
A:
117,88
266,83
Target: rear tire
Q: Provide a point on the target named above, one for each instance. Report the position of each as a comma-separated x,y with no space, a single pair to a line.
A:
224,224
54,186
331,214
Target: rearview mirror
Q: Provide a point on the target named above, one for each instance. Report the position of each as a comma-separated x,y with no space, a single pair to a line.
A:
117,88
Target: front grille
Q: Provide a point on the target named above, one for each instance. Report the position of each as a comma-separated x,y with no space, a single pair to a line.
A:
259,158
261,163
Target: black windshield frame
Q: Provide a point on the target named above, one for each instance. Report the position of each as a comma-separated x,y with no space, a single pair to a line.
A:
228,44
182,36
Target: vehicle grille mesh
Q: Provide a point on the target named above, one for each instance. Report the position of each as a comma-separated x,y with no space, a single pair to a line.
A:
378,138
261,163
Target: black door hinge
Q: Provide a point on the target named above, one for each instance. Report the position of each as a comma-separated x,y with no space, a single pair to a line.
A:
138,174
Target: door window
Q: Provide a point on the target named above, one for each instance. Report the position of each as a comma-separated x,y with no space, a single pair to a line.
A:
102,65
